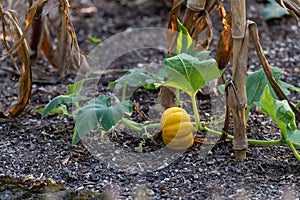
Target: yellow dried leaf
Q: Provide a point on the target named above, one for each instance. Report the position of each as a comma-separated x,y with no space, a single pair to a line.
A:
293,7
47,48
29,18
25,80
225,46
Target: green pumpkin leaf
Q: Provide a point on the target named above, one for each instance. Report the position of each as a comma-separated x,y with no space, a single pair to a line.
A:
137,77
294,136
75,138
280,111
273,10
188,73
286,86
99,111
256,83
184,41
77,86
60,100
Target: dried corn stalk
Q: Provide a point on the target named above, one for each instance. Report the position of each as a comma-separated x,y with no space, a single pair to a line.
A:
24,88
10,19
237,90
40,41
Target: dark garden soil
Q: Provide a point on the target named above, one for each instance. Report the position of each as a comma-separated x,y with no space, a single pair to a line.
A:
42,148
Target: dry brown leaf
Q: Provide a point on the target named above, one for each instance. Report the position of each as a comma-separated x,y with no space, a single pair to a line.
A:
67,33
293,7
24,88
77,58
189,19
6,43
37,4
172,33
198,22
37,30
196,5
224,50
225,47
206,43
176,7
47,47
29,17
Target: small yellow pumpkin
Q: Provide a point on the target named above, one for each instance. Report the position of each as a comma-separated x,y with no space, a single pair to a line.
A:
177,129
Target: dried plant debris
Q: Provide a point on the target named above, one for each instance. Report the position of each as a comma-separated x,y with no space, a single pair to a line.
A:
40,21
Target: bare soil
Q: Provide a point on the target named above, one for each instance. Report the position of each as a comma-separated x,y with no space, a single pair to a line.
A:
30,145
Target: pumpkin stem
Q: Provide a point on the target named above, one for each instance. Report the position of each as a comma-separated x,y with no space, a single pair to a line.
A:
196,114
176,97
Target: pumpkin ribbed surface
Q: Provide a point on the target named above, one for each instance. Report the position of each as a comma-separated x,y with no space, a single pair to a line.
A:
177,129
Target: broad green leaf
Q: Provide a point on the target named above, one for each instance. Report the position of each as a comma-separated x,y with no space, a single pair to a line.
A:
200,55
188,73
284,85
273,10
256,83
185,44
151,84
184,41
59,100
280,111
75,88
99,110
75,138
156,79
61,110
294,136
135,77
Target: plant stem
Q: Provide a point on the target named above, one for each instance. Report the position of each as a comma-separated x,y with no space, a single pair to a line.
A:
138,126
293,149
250,141
266,142
152,126
133,125
141,127
296,144
196,114
216,133
177,97
124,91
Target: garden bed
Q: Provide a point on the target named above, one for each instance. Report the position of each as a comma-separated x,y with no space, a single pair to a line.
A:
30,145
